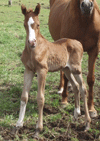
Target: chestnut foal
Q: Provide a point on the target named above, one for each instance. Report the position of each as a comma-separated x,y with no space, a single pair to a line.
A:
42,56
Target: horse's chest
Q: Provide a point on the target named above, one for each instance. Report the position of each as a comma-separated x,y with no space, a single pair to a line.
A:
27,61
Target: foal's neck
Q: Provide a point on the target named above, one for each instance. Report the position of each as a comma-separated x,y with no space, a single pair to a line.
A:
40,38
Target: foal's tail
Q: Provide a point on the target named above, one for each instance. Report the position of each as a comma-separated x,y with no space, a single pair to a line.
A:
51,2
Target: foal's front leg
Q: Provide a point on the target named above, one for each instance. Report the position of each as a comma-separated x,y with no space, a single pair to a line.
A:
28,76
40,97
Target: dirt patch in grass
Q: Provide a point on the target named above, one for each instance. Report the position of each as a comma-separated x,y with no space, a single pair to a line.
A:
71,129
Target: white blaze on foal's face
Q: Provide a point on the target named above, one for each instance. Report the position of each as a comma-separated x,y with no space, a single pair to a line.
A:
32,36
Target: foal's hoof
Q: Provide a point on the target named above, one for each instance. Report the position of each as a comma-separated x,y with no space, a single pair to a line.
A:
60,90
36,135
64,104
15,130
87,127
93,114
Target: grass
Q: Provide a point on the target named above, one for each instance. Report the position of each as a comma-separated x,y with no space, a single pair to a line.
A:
12,40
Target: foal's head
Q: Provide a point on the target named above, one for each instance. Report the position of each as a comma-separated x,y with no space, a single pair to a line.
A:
31,24
86,7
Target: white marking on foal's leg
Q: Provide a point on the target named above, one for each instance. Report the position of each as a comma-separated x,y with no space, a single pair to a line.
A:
32,36
21,114
61,90
69,84
77,112
75,85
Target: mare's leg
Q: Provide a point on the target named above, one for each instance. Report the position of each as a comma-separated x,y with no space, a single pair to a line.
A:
90,80
83,91
61,86
65,92
40,97
28,76
75,86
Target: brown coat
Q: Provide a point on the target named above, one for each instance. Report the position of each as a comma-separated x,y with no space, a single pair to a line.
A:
54,56
66,20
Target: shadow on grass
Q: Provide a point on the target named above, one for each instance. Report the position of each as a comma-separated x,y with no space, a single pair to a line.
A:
10,101
10,96
4,5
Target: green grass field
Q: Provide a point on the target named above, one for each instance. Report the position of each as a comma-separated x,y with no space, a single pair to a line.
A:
58,122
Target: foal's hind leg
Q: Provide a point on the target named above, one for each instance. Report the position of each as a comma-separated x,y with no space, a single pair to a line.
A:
61,86
28,76
83,91
75,85
65,92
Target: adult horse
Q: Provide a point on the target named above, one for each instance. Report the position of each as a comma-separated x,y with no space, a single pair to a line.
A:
77,19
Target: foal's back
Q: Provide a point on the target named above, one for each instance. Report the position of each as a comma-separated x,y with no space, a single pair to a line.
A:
65,52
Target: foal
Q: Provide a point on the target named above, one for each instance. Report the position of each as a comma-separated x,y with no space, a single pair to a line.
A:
42,56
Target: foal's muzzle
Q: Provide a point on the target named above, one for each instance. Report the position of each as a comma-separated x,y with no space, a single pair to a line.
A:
32,43
86,8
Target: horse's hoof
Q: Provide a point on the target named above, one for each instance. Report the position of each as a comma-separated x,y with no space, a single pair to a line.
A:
36,135
61,90
64,104
87,127
93,114
15,130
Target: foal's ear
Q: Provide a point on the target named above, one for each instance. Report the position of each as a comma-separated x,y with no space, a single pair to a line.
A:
24,10
37,9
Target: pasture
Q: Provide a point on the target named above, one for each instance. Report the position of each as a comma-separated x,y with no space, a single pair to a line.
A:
58,122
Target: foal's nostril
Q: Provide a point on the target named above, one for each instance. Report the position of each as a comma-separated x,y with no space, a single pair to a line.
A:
32,43
28,41
34,40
